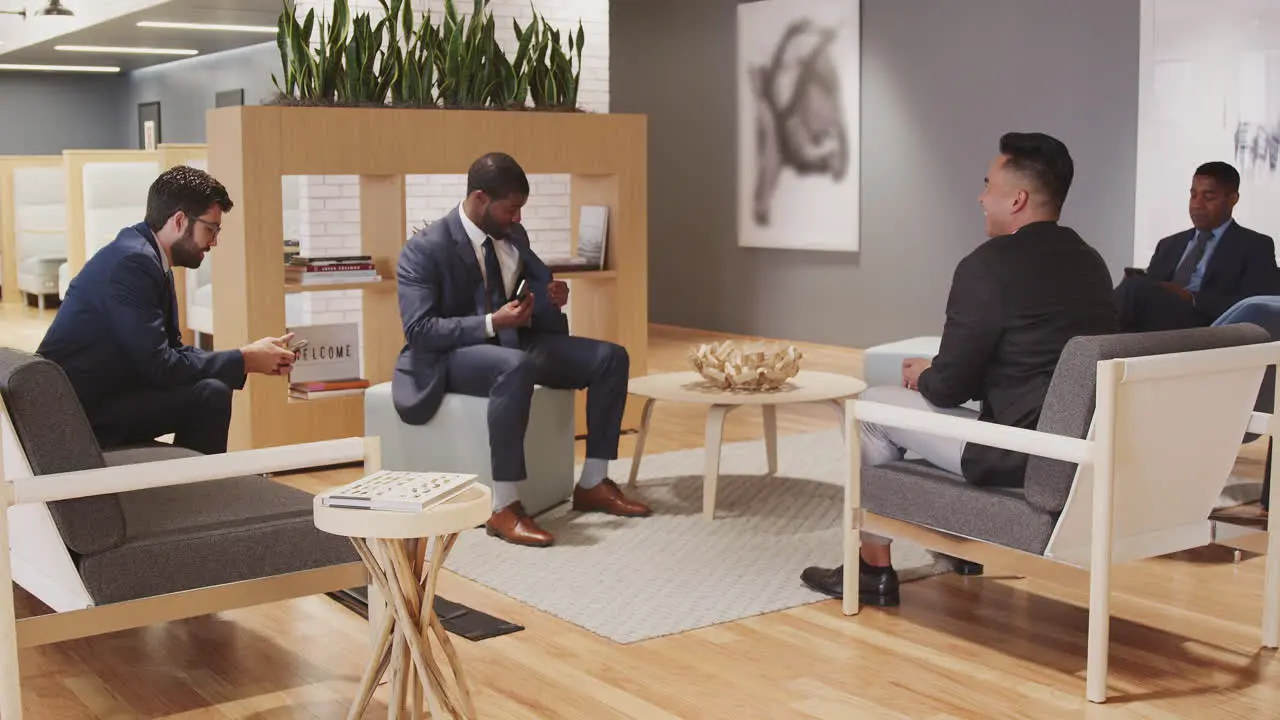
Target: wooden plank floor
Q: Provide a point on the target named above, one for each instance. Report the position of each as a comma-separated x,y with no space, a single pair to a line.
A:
1185,639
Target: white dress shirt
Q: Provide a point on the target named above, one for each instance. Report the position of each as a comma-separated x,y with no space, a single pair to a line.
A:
508,260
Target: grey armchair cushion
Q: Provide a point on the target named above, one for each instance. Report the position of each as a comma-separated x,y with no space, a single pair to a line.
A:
1069,404
56,437
919,493
208,533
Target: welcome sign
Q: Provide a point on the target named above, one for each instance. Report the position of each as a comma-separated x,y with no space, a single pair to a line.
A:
332,352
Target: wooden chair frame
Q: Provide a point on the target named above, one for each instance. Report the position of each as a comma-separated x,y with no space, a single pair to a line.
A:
20,491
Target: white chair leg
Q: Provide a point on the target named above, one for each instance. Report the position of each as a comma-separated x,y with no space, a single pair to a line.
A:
1095,677
715,434
852,522
645,415
1271,579
10,673
770,413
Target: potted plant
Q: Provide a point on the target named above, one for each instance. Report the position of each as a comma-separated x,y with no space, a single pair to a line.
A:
407,61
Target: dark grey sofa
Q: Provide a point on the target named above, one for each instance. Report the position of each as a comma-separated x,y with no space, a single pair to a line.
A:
145,543
1024,519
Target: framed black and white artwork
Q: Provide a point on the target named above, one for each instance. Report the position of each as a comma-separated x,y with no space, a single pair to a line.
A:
798,83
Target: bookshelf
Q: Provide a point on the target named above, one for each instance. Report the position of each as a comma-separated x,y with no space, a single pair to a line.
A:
252,147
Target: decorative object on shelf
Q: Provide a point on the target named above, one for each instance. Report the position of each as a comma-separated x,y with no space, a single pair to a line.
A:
798,124
757,367
406,61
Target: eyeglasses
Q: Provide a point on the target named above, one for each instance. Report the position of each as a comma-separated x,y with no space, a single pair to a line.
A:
214,226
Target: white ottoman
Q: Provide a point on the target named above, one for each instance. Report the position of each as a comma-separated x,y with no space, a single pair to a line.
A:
882,364
39,276
457,440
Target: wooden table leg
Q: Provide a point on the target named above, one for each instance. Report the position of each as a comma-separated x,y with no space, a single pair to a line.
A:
404,644
645,415
770,413
715,434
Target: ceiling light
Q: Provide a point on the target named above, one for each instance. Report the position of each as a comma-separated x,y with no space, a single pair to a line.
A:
134,50
54,9
61,68
209,26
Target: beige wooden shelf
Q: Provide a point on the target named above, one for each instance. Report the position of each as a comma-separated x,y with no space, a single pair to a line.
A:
251,148
587,275
383,284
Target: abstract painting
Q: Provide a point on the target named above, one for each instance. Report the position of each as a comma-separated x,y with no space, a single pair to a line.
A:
798,124
1209,90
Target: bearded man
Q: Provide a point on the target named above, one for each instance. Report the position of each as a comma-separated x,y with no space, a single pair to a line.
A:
116,333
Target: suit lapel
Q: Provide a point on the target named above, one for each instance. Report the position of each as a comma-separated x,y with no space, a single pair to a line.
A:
170,297
467,255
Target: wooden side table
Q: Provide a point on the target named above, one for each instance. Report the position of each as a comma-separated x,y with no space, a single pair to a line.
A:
827,389
393,546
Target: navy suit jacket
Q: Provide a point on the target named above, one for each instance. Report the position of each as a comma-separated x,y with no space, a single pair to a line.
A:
441,294
1242,265
116,332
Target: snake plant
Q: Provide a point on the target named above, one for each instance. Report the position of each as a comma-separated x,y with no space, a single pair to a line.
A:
407,60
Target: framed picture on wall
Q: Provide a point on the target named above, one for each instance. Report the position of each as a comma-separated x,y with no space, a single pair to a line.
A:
149,125
798,71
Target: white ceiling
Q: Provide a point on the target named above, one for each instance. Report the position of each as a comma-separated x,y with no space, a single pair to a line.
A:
114,23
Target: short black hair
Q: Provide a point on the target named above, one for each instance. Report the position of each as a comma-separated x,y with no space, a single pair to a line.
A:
497,175
187,189
1044,159
1226,175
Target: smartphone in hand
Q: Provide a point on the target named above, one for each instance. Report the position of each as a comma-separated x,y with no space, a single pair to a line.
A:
522,290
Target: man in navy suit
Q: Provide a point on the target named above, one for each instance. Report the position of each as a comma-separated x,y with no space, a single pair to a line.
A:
1196,275
116,334
467,332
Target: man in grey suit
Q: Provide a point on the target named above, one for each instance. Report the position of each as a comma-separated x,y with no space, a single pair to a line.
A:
467,332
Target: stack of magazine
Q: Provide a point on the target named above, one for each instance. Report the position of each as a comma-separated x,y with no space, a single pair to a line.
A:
398,491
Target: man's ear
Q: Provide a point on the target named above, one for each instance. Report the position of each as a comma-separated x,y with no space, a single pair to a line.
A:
179,220
1021,198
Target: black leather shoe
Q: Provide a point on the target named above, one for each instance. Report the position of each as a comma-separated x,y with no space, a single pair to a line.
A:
876,586
963,567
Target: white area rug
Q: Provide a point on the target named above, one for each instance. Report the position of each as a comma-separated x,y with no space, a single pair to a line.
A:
635,579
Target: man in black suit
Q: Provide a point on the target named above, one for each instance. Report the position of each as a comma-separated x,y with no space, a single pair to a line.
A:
1197,275
116,334
466,331
1015,301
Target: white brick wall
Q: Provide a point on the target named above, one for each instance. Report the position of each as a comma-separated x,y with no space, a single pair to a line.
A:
329,222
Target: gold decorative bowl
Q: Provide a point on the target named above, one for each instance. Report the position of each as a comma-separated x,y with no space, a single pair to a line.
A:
754,367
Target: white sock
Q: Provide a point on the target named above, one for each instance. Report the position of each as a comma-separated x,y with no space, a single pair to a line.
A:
505,493
593,471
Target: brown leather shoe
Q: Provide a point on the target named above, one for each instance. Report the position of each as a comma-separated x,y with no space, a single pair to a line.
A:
514,525
607,498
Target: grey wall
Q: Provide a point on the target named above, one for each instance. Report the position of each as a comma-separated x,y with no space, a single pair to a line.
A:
46,113
941,81
185,89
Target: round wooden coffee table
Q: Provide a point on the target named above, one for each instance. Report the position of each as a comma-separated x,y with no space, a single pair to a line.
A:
808,386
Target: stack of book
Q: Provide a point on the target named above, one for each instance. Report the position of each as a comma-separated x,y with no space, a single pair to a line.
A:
319,389
330,270
398,491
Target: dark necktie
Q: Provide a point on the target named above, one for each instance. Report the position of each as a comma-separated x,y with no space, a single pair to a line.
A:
1182,276
496,291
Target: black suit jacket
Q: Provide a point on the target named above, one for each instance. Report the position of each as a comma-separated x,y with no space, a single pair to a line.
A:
1015,302
1242,265
439,283
116,331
